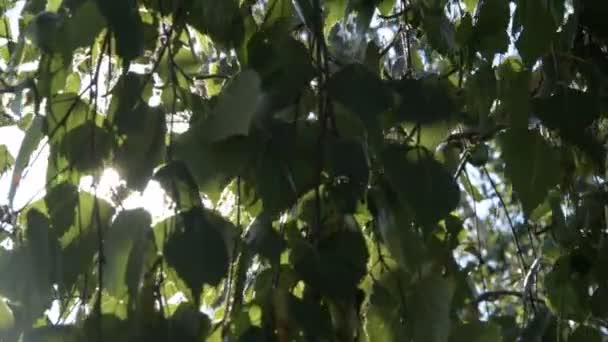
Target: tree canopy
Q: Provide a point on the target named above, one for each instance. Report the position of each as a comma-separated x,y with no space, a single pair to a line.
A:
334,170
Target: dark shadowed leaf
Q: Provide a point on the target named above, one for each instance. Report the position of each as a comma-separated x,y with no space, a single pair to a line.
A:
177,181
361,92
42,249
79,243
539,25
585,334
188,323
349,168
336,267
220,19
86,147
81,28
61,201
440,32
264,239
424,186
125,22
531,165
572,113
567,291
213,165
476,332
423,101
490,32
513,85
197,250
143,147
55,333
282,64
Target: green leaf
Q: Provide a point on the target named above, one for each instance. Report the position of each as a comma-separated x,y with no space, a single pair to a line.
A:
53,74
125,23
386,6
67,111
531,165
234,112
429,308
79,243
129,229
28,146
476,332
86,147
187,61
6,159
423,185
336,12
490,31
7,319
424,101
385,318
197,250
277,11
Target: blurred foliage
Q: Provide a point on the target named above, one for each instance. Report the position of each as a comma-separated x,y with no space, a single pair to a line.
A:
336,170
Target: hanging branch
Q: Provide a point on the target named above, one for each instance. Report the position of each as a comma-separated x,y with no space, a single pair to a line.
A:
100,237
477,233
520,252
406,34
321,58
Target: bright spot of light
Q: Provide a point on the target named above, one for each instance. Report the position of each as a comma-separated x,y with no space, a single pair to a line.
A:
153,198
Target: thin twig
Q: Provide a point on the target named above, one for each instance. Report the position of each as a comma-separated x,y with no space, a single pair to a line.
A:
520,252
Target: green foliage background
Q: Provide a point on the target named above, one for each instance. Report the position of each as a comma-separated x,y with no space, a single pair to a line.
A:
394,170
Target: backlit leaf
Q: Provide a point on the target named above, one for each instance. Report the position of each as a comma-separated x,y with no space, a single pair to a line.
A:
6,159
129,229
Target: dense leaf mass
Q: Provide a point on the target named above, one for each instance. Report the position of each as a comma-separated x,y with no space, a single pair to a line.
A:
303,170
